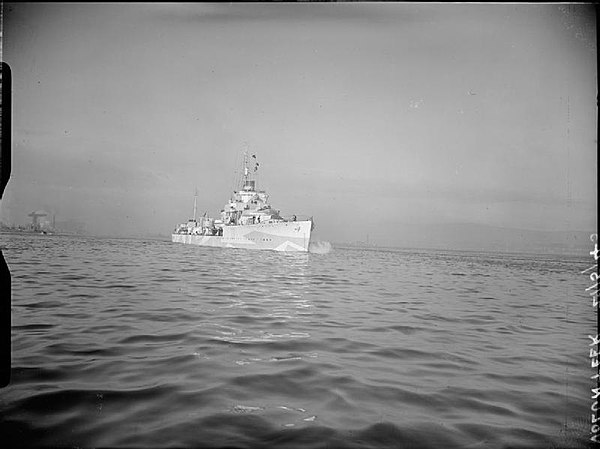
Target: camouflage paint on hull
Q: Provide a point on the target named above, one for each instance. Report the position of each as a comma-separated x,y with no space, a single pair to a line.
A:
281,236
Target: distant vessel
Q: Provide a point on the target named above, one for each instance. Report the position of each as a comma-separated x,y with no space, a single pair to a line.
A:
37,226
247,221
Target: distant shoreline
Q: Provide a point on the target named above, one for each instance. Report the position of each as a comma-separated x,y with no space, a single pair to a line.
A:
566,252
569,252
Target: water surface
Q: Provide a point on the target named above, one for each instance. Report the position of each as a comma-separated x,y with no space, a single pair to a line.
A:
140,343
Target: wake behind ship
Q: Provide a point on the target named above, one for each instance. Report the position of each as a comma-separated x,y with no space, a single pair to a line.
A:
247,221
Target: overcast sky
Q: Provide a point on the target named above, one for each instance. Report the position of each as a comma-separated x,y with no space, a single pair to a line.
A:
365,116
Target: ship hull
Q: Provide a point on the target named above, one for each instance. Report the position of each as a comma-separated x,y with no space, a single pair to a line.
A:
280,236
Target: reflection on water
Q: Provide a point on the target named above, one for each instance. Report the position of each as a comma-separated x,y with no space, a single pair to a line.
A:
122,342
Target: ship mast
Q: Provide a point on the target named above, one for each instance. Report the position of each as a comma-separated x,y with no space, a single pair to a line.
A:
245,167
195,199
247,178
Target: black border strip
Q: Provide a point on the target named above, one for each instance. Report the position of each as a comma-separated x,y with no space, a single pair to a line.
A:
5,168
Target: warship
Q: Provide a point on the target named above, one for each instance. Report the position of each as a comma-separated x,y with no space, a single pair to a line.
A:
247,221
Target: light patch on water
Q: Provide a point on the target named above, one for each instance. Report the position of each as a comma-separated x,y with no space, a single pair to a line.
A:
265,337
245,409
284,359
248,361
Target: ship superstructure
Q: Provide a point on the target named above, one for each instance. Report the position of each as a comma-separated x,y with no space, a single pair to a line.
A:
247,221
